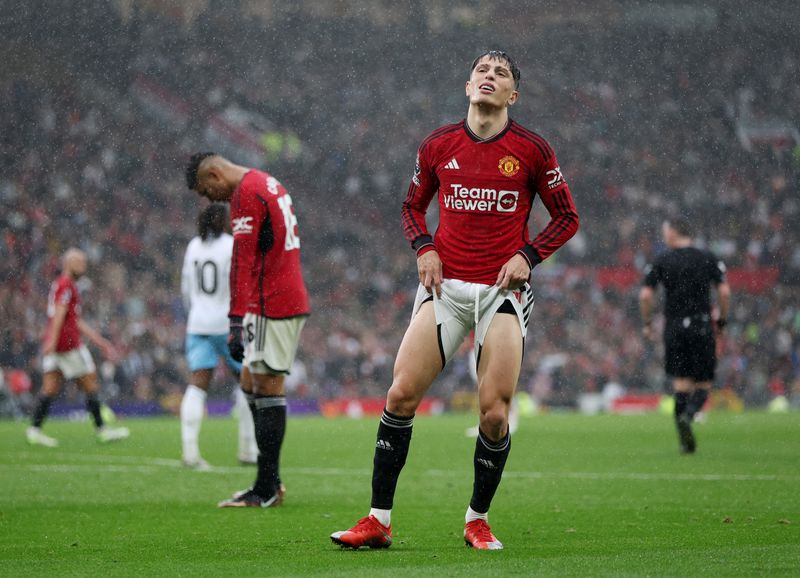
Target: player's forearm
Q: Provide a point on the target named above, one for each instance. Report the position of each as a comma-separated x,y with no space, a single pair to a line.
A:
241,267
564,223
724,298
186,293
55,328
414,227
561,228
238,302
92,335
646,305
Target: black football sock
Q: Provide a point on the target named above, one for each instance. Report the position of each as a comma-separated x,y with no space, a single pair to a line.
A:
697,401
683,422
270,424
41,411
681,404
490,460
93,405
391,450
251,403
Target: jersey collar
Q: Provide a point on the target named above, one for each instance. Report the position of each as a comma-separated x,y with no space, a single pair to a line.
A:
493,138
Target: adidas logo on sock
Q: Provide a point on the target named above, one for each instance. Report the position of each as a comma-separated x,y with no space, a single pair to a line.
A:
453,164
487,464
384,445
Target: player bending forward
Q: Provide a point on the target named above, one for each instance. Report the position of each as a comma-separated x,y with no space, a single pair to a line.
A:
64,357
486,171
269,304
206,295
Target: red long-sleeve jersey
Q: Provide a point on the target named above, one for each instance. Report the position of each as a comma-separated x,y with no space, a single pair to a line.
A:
486,190
266,278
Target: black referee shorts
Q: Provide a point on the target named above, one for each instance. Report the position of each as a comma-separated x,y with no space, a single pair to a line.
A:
690,348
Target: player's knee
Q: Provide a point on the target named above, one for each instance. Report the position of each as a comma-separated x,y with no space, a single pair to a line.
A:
402,399
494,420
267,384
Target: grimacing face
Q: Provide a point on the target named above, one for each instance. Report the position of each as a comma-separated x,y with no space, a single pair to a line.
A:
491,83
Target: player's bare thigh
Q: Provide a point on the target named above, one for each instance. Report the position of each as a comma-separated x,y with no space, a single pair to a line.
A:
498,373
267,383
417,365
202,378
51,383
245,380
683,384
260,383
88,383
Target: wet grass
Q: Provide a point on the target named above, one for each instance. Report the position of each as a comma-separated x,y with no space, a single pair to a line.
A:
582,496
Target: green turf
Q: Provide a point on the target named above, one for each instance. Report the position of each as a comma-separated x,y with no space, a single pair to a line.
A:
582,496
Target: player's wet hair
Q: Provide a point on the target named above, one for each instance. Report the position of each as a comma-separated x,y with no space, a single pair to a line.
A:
500,55
211,222
193,167
681,225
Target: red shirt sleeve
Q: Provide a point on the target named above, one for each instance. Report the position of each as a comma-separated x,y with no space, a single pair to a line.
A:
246,216
564,220
424,185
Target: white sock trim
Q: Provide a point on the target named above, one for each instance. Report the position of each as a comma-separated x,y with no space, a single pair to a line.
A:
383,516
192,389
473,515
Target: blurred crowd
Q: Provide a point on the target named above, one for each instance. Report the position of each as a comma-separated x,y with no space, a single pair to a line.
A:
643,129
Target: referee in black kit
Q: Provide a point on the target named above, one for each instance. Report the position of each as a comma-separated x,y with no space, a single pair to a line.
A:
687,274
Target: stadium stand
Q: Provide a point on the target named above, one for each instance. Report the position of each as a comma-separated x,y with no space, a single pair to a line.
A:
100,105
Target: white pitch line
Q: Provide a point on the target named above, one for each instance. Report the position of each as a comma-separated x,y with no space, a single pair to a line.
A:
154,465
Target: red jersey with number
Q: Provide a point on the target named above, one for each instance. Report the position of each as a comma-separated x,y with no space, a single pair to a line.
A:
63,291
266,278
486,190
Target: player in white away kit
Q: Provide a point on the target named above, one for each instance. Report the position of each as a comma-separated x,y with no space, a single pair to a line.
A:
206,294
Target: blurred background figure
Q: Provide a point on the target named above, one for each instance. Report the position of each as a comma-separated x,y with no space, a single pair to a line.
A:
688,275
65,357
205,288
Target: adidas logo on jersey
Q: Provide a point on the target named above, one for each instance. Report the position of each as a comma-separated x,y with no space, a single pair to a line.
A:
384,445
453,164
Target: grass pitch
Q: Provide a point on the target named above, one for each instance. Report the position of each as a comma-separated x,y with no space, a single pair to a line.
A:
582,496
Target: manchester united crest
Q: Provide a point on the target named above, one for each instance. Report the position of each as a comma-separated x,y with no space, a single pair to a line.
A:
509,166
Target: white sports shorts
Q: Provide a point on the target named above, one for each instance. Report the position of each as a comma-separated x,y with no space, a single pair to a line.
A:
73,363
465,306
271,344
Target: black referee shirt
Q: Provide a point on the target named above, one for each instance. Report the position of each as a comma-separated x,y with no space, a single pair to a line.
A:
686,274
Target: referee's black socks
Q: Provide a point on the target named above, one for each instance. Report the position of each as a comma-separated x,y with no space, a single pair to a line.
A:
681,404
391,450
490,460
697,400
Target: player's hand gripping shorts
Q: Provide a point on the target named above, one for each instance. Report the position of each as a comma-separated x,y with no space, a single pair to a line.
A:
465,306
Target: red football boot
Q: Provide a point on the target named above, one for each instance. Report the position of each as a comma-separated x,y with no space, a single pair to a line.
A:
367,532
478,535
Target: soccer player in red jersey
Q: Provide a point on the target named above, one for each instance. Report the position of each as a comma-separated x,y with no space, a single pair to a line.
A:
473,274
65,357
268,307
